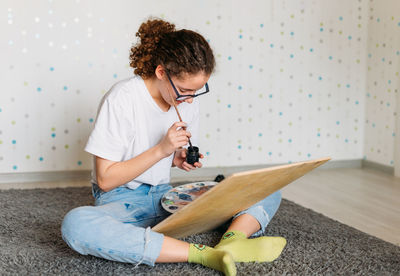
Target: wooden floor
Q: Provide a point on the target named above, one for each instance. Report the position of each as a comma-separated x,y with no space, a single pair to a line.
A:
366,199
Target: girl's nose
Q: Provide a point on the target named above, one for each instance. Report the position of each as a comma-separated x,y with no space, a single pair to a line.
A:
189,100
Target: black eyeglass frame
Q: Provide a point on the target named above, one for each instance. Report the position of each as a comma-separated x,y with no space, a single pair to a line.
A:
180,97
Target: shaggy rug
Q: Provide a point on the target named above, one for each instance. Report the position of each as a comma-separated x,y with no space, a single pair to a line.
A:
31,244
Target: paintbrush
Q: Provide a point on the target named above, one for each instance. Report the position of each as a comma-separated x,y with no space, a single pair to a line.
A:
179,116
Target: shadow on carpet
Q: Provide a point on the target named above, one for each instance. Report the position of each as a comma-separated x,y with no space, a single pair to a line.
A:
31,244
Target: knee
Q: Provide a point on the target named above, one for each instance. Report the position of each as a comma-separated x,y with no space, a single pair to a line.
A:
277,196
272,202
74,218
75,224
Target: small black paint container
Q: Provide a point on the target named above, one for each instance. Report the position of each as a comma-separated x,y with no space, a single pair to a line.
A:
192,155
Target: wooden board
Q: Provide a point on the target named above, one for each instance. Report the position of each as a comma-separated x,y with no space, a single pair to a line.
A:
232,195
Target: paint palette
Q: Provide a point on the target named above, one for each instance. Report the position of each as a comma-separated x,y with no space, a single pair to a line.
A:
180,196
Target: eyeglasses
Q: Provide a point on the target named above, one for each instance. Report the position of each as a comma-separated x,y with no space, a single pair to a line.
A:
180,97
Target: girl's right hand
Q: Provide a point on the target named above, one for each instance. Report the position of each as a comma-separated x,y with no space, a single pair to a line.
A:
175,138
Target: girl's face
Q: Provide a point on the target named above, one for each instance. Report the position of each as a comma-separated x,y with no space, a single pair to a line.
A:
187,84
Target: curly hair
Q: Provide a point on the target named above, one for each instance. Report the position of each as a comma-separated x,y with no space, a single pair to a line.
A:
182,51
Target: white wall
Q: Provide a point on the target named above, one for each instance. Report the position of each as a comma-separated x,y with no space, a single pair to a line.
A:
290,82
383,82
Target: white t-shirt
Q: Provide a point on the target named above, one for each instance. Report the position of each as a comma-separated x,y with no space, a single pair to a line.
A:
130,122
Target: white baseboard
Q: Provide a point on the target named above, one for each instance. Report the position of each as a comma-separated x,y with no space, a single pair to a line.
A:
377,166
177,175
44,176
62,179
212,172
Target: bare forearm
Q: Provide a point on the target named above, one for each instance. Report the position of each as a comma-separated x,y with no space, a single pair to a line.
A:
122,172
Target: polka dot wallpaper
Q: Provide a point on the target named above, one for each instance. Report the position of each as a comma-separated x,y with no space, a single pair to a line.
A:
295,80
383,82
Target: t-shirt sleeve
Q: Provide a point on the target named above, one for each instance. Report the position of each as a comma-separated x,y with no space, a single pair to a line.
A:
113,131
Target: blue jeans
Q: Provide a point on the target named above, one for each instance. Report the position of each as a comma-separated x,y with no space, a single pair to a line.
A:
118,226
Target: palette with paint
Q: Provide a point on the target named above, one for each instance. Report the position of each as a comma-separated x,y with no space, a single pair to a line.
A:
180,196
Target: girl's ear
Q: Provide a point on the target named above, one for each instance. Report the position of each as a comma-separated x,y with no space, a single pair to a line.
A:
160,72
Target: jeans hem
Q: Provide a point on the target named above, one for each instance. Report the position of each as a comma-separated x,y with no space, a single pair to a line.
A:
152,247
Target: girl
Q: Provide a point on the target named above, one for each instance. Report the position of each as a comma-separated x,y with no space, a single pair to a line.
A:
136,139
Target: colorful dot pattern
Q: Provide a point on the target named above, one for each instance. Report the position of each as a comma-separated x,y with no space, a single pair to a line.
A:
383,83
293,81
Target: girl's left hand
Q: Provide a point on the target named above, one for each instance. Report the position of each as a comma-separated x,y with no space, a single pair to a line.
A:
180,161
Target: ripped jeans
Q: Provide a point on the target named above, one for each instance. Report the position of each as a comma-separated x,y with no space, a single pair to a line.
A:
118,226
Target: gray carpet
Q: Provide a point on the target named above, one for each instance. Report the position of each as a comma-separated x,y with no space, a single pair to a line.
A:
31,244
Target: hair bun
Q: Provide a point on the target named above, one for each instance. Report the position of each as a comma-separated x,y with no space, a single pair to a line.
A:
153,29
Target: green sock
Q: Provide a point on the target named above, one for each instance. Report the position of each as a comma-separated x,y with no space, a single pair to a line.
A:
212,258
262,249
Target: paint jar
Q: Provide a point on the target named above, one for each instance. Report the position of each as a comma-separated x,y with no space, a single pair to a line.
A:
192,155
219,178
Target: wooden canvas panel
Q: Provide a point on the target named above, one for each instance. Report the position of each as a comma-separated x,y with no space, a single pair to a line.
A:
232,195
